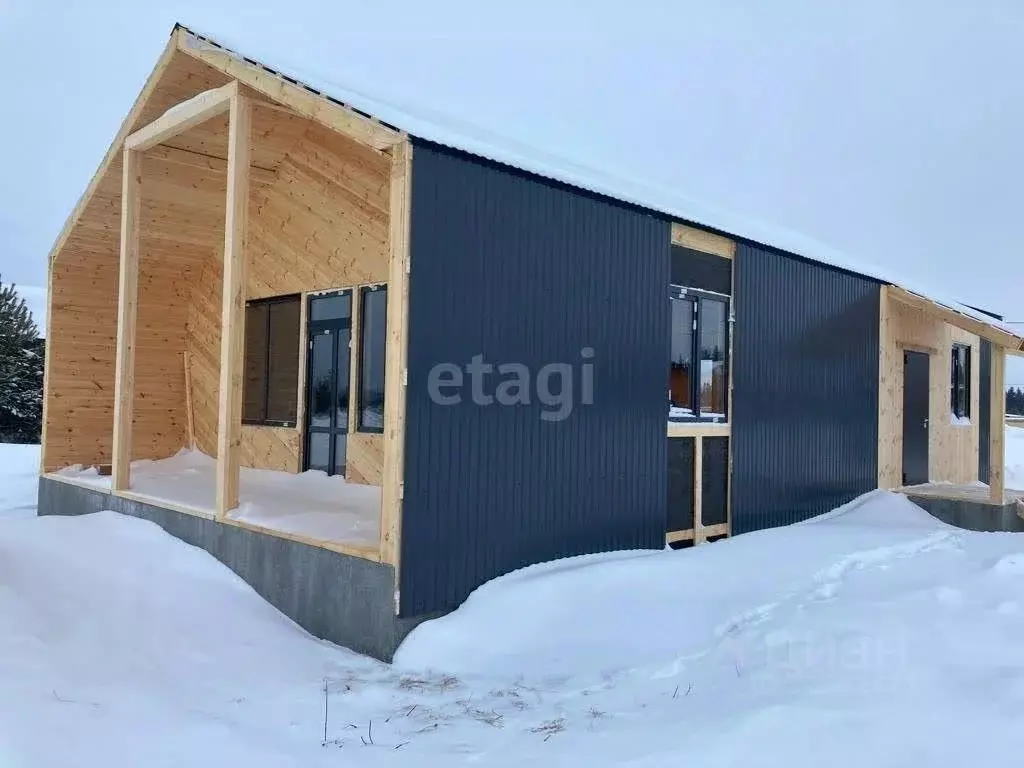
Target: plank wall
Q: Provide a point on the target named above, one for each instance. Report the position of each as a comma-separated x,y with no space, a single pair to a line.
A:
318,220
952,449
322,224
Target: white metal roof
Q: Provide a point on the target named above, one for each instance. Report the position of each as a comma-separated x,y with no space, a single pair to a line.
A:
465,136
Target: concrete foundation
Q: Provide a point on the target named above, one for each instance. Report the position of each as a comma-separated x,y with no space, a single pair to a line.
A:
347,600
970,514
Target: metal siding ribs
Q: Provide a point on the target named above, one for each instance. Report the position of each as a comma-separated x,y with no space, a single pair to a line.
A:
523,270
805,398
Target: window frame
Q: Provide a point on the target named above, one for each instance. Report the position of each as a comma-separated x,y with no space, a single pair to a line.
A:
365,291
960,381
265,400
699,297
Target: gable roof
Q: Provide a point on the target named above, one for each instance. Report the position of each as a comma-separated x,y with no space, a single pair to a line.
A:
467,137
380,124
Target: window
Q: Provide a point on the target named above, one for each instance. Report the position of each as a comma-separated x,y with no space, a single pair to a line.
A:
960,382
698,387
270,391
680,373
372,330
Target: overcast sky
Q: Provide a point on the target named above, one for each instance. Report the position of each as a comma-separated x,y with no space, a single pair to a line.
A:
890,130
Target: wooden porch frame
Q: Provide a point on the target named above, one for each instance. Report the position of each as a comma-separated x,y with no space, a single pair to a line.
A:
185,115
997,426
173,122
298,98
395,371
1003,343
960,320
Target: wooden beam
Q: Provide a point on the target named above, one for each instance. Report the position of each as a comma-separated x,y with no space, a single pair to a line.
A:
711,531
232,335
698,490
190,416
957,319
181,117
728,410
700,240
356,319
127,311
997,427
675,536
395,356
302,101
697,428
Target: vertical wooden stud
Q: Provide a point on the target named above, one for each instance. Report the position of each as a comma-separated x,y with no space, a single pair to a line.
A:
997,426
190,415
232,337
698,489
732,333
395,358
127,311
301,404
353,362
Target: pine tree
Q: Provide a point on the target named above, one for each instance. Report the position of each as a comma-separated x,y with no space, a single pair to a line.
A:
1015,401
21,370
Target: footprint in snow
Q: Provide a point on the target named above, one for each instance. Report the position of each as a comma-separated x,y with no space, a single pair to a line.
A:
1010,565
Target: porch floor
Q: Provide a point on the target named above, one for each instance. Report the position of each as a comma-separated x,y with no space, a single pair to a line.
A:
310,506
977,493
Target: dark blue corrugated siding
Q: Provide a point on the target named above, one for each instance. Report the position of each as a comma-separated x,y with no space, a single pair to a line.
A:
985,414
522,270
805,388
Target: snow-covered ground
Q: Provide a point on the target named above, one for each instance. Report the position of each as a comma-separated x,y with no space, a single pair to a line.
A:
874,635
1015,457
19,468
311,504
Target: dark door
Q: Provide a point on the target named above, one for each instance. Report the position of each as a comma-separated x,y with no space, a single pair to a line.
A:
915,417
327,379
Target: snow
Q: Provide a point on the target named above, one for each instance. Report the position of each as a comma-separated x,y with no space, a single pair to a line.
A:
196,100
308,504
426,123
873,635
19,467
1014,477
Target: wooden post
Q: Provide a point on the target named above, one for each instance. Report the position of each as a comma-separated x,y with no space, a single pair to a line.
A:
127,306
232,333
997,426
395,356
190,416
698,490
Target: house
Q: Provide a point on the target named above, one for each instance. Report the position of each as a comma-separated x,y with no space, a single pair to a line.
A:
495,359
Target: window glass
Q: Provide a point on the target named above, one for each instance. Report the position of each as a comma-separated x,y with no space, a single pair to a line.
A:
372,330
680,374
321,377
283,361
714,345
331,307
255,382
343,384
960,381
271,365
698,383
319,451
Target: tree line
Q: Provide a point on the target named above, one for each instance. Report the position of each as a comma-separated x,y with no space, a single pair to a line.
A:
1015,401
21,370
